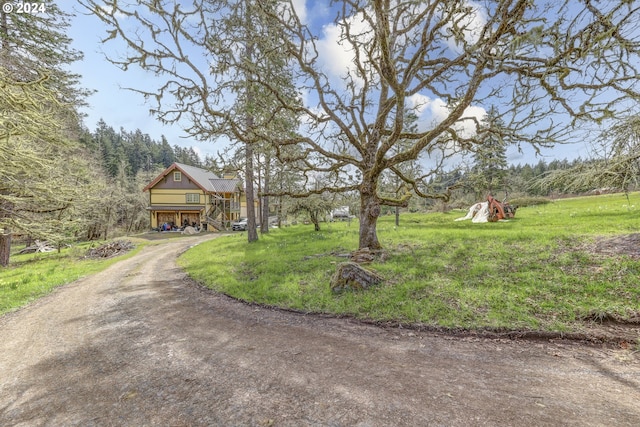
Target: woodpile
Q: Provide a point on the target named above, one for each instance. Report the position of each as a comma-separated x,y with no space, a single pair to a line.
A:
108,250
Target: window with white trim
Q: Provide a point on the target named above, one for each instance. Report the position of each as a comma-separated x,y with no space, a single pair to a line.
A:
193,198
177,176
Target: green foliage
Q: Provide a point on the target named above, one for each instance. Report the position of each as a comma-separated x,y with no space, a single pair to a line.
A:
43,177
128,153
617,166
316,206
537,271
37,44
523,202
489,172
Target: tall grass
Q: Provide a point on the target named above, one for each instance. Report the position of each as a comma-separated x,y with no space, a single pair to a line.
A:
535,272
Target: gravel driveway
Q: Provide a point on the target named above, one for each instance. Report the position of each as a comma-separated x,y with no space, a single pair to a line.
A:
140,345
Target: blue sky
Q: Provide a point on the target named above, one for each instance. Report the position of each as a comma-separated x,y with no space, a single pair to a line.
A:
116,106
122,108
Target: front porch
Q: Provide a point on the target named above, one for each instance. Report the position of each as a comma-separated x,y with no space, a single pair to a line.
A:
176,216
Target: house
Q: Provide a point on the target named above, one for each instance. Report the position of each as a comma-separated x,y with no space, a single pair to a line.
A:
184,194
340,213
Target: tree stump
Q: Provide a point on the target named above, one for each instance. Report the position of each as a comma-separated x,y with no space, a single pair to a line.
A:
350,276
363,256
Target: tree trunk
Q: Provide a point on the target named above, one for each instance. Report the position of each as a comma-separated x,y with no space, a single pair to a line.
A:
279,199
315,219
252,233
106,224
279,211
264,226
5,248
369,213
397,216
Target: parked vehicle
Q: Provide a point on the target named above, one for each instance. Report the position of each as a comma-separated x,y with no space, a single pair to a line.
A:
240,225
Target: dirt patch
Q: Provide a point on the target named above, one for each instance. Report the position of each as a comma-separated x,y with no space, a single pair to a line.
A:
603,327
140,344
627,244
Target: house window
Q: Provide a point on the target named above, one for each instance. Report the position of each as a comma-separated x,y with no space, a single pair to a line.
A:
177,176
193,198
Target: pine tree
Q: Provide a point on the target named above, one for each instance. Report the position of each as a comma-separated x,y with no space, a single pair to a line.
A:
489,172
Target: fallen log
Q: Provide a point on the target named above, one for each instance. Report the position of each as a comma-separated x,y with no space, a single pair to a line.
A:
38,246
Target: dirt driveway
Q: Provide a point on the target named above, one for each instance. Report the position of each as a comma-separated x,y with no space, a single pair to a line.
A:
139,345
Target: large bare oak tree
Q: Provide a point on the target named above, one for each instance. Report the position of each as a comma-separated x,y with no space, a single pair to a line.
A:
546,66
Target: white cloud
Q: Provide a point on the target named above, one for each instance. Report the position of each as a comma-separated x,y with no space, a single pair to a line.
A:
468,127
301,9
438,110
418,103
338,55
471,22
433,111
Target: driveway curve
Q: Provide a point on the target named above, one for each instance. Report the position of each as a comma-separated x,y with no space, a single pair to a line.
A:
141,345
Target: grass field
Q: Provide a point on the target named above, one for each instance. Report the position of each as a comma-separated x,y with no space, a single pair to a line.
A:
32,276
536,272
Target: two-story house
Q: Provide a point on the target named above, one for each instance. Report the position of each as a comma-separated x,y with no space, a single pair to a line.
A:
184,194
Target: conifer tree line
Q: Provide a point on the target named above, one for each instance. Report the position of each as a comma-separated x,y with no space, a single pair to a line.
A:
130,152
133,155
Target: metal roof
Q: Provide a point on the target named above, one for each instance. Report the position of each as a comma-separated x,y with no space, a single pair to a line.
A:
206,180
199,176
222,185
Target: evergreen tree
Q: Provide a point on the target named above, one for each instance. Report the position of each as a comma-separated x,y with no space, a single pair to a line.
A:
41,180
167,155
489,171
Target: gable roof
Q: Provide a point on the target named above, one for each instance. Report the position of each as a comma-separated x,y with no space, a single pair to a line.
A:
197,175
206,180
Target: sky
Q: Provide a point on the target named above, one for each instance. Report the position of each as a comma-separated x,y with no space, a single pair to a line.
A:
121,108
118,107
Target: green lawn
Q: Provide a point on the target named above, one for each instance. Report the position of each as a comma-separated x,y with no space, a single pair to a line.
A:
32,276
537,271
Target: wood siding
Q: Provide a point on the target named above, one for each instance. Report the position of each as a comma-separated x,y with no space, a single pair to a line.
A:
173,196
168,182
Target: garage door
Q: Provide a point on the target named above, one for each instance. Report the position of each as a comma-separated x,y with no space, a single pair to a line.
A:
190,217
168,217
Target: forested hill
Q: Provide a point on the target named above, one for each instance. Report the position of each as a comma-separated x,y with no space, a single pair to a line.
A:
134,151
130,152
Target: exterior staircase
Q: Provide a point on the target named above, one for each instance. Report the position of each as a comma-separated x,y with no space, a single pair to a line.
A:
218,225
212,216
